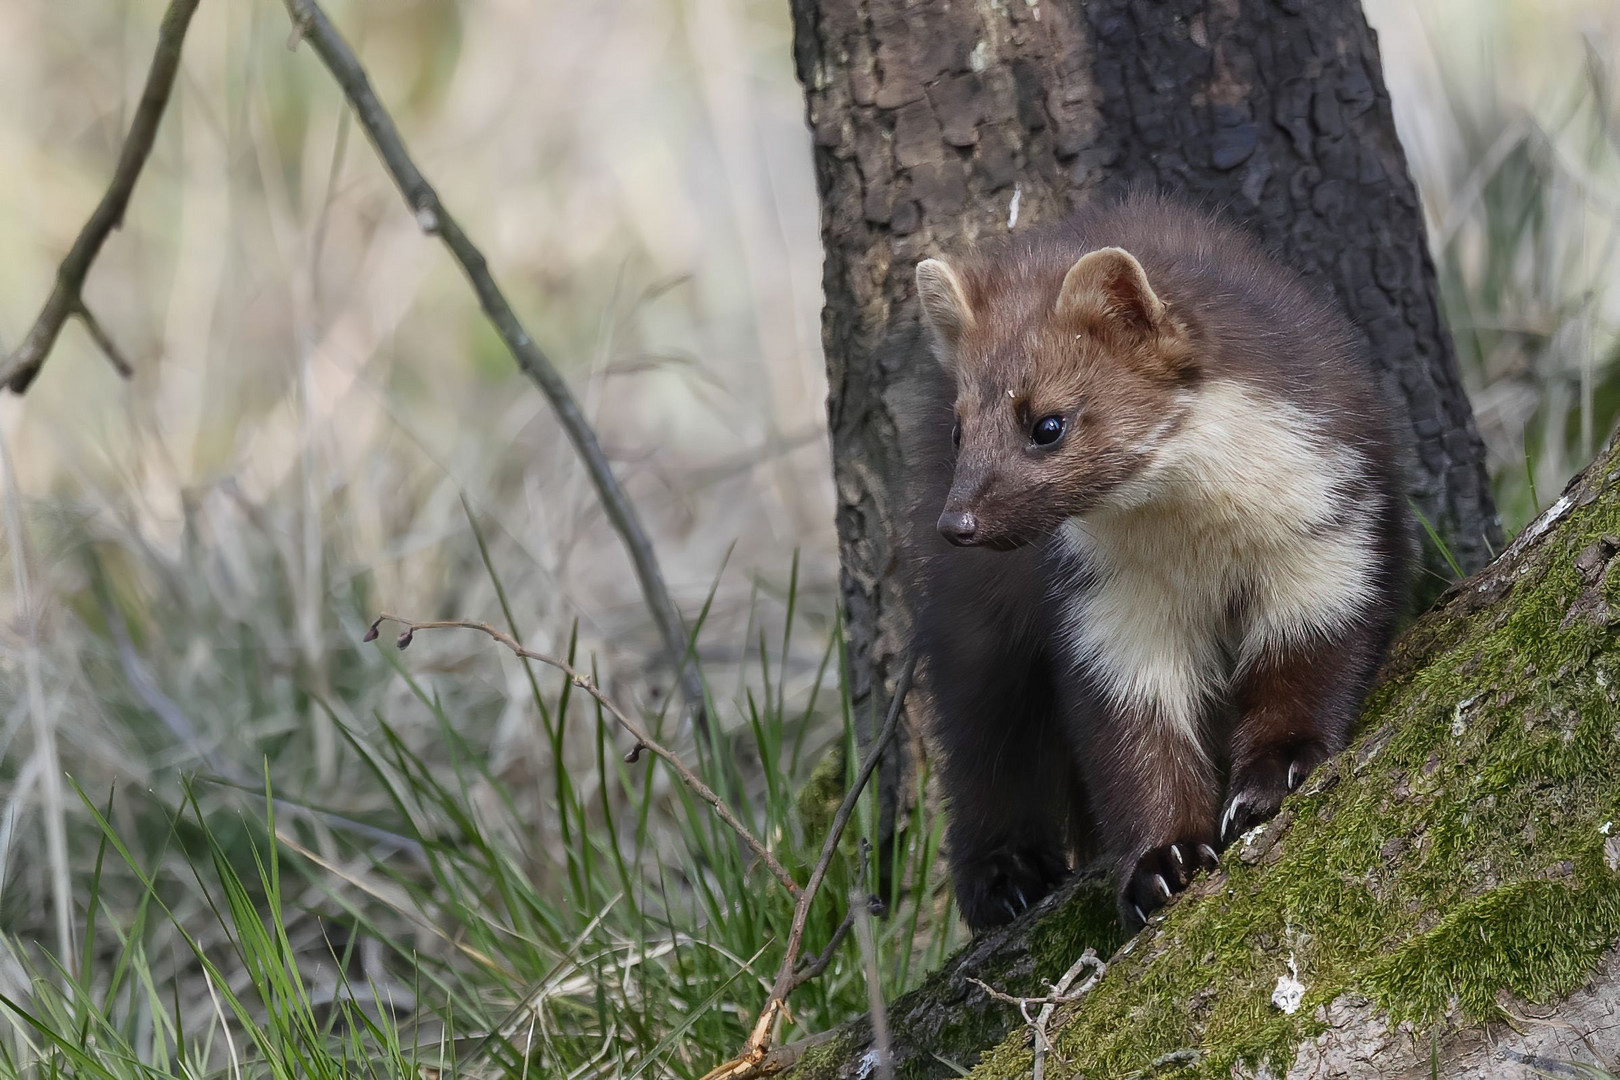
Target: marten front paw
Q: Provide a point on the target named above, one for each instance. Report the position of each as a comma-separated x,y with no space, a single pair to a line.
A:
996,889
1256,791
1161,873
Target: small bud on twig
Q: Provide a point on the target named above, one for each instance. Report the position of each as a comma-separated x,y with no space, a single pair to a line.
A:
371,631
405,638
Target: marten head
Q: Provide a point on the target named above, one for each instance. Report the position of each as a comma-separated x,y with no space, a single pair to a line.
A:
1067,379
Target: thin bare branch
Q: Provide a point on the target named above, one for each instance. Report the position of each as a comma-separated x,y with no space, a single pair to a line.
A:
815,965
790,976
19,369
1061,995
310,23
812,967
644,741
1026,1002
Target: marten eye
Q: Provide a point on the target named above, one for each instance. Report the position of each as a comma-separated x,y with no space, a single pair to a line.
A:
1047,430
956,435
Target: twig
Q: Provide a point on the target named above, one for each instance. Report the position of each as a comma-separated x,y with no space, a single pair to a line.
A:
812,967
789,976
18,370
1024,1003
1061,995
644,741
883,1057
109,348
815,965
311,23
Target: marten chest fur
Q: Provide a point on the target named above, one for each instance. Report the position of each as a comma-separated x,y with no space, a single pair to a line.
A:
1203,453
1241,535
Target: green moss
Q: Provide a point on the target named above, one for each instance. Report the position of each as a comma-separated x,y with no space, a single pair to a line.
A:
817,802
1535,939
1452,856
826,1060
1087,920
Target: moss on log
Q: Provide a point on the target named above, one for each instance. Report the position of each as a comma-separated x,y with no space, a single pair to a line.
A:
1440,890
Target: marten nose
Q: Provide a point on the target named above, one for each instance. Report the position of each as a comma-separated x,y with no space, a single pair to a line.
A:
958,526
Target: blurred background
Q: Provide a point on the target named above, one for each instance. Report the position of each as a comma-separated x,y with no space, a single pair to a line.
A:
321,426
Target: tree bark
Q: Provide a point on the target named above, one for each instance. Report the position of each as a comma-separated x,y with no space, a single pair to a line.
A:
1446,893
936,124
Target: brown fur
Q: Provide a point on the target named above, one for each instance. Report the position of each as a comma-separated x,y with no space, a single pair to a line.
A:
1120,322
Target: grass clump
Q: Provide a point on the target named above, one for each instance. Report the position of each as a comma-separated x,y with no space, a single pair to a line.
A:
423,910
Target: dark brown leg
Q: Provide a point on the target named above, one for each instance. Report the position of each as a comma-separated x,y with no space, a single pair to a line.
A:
1007,780
1156,794
1295,708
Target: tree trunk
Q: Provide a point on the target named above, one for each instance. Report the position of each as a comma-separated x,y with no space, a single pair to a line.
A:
939,123
1446,893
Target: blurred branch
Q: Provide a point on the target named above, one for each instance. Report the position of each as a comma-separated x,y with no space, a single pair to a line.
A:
18,370
644,741
310,23
756,1060
109,348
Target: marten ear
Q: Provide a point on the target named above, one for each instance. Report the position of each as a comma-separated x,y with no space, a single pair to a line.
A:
944,306
1109,286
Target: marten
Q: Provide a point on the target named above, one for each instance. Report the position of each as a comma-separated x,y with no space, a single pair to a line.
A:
1158,544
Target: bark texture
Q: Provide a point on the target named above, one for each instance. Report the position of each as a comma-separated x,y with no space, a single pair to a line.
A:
937,123
1444,895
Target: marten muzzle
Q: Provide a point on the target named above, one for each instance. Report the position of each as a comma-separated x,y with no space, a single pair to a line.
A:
960,527
991,505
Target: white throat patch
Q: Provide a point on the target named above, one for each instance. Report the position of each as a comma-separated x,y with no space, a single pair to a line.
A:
1233,540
